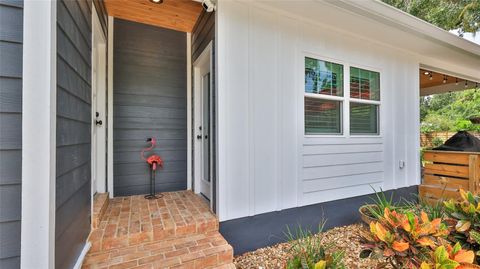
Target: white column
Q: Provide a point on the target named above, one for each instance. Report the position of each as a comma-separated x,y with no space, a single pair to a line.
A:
110,108
38,136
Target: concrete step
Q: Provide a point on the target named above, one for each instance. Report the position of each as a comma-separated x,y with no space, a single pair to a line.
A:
207,250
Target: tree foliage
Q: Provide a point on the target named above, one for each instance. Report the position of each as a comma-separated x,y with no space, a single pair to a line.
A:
447,14
450,111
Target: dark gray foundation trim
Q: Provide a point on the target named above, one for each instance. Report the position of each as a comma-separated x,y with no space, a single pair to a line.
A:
250,233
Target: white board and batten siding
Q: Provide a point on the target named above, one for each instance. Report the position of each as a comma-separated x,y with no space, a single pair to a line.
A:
266,163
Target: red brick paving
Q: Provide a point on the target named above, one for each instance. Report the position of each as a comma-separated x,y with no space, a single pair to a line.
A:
176,231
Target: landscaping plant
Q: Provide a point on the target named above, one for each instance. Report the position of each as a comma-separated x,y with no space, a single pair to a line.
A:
434,210
308,252
379,203
450,258
464,221
404,240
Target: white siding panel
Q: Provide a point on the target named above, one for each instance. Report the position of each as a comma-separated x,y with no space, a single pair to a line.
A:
287,111
341,170
237,129
340,159
322,184
341,148
264,101
333,194
268,163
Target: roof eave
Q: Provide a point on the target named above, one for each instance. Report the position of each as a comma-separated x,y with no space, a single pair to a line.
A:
405,21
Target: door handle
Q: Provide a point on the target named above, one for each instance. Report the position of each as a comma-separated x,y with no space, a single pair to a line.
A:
199,137
206,136
98,122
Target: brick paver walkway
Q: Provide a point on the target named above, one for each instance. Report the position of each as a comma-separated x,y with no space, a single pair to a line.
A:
176,231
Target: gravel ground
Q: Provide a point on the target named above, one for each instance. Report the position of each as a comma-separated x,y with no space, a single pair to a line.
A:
344,238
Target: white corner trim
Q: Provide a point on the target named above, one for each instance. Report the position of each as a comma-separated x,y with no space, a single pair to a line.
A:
189,111
39,134
81,258
110,108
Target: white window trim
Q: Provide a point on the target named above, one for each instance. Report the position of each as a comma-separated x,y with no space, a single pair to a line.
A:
345,99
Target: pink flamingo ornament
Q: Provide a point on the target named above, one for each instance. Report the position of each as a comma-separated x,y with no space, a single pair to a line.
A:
154,161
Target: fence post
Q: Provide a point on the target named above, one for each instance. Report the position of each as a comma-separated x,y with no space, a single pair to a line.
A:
474,172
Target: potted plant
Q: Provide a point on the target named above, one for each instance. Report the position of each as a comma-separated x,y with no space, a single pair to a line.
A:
374,210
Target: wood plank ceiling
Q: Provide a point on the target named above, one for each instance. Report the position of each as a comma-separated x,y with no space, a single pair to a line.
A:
436,79
180,15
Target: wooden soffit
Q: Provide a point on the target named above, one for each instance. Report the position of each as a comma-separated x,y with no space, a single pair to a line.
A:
435,83
179,15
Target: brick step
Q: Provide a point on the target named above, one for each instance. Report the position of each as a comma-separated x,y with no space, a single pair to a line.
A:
132,220
208,250
109,237
100,205
226,266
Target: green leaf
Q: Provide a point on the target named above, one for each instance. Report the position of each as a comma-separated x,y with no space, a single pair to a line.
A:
449,264
441,254
456,248
475,236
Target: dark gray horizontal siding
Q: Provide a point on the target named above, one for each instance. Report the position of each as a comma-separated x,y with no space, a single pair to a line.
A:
203,33
11,49
73,160
149,101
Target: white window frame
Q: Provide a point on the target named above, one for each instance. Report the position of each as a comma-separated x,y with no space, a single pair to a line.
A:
341,99
367,102
345,100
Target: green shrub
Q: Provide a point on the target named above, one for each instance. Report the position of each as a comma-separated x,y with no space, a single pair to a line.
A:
435,123
436,142
308,251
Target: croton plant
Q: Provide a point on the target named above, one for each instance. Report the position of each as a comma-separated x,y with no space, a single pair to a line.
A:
406,240
464,221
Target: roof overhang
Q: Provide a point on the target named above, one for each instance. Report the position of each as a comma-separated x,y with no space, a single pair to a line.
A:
380,23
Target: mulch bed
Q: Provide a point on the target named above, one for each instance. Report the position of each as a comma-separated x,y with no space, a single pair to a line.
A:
344,238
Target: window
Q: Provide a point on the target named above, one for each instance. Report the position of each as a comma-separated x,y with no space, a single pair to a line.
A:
364,101
323,97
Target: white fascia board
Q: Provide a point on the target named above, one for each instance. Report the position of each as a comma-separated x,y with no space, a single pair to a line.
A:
404,21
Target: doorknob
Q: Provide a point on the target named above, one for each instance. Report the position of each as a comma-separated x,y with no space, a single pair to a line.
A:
206,136
98,122
199,137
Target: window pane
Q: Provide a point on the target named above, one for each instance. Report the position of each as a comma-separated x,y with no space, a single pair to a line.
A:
323,77
363,118
364,84
322,116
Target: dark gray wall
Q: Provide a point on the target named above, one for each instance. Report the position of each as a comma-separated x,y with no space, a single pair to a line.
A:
203,32
11,38
73,130
149,98
250,233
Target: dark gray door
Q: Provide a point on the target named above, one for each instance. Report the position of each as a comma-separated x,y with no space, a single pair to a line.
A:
149,100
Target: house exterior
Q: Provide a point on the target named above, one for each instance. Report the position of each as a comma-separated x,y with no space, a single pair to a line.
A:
277,112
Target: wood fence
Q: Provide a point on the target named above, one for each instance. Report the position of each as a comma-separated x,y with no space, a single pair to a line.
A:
426,138
446,172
